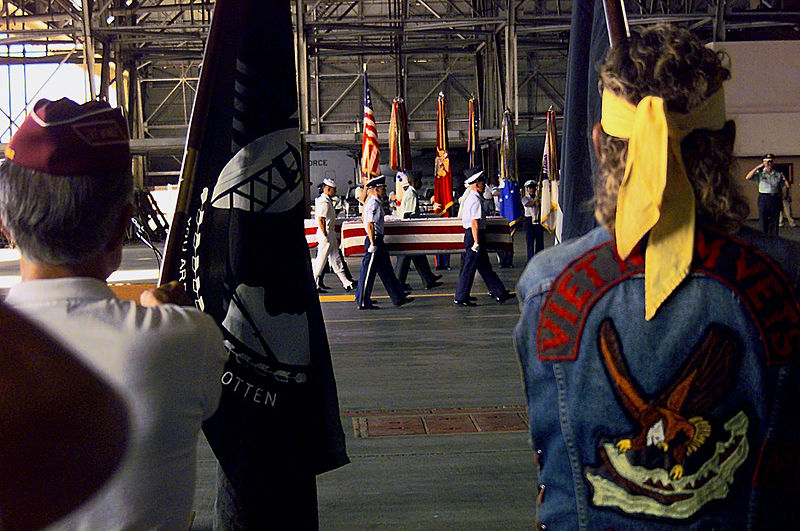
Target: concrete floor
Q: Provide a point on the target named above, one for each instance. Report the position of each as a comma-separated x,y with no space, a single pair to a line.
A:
427,355
430,356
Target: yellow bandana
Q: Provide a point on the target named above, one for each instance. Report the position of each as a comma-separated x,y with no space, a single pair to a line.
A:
655,194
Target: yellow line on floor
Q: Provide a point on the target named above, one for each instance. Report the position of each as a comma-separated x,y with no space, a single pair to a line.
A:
352,298
371,319
337,298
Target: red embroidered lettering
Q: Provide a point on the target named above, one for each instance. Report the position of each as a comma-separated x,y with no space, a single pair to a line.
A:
571,294
744,270
559,337
786,312
709,252
621,264
636,258
763,291
786,344
563,313
585,265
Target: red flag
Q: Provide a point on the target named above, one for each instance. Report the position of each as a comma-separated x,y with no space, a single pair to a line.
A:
370,151
443,178
399,143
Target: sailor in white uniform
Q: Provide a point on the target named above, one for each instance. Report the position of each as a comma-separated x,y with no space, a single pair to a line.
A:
327,242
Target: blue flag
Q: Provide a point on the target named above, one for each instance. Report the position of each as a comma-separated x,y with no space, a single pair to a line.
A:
587,46
510,204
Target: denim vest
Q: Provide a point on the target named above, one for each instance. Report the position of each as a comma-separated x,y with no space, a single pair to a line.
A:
688,420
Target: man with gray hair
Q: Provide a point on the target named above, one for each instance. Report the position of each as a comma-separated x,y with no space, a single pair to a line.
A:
65,202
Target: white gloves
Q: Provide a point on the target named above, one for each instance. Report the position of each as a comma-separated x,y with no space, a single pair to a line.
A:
372,249
475,247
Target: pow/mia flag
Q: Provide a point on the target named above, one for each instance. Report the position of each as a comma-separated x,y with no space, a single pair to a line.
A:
244,255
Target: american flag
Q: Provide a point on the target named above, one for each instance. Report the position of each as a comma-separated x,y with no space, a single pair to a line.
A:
370,151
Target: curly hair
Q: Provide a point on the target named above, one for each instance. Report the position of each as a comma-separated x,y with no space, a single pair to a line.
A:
670,62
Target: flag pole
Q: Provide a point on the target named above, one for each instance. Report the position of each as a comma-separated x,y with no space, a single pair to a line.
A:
194,140
616,22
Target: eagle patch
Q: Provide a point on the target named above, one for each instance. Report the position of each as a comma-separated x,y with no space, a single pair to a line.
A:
680,458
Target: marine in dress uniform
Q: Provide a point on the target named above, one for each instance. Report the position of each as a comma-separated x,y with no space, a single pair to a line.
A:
328,243
376,258
476,258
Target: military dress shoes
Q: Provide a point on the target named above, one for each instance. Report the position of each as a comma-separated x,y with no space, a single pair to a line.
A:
322,286
404,300
348,288
503,297
369,306
467,302
433,284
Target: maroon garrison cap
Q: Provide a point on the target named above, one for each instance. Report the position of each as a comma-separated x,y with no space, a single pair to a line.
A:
64,138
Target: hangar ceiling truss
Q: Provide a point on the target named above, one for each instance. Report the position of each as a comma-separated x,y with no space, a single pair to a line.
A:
507,53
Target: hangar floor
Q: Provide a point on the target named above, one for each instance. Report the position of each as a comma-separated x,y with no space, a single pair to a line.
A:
433,410
431,401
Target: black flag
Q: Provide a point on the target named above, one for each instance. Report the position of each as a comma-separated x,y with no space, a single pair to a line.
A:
588,43
243,254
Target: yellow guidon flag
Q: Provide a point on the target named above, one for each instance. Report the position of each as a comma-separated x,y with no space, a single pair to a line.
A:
655,194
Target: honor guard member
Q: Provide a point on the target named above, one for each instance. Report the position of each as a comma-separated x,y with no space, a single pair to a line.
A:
476,258
66,199
376,257
534,233
770,185
327,242
660,350
409,208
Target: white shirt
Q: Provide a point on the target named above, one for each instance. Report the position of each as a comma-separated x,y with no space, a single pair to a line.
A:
373,212
410,203
167,362
530,211
461,200
471,209
324,208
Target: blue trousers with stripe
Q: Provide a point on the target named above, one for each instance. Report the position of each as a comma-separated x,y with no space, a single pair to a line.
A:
477,262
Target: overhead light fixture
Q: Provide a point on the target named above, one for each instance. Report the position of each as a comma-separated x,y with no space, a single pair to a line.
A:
110,19
129,3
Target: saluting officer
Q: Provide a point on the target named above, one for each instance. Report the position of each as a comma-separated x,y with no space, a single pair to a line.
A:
476,258
328,243
376,258
770,183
